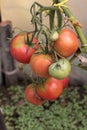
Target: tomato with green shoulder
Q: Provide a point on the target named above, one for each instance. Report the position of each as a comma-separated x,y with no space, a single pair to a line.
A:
20,49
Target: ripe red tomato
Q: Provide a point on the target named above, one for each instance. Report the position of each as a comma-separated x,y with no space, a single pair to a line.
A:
40,63
20,50
65,82
31,95
50,89
67,43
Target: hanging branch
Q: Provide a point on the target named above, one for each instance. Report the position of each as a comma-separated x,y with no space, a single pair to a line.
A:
77,27
59,8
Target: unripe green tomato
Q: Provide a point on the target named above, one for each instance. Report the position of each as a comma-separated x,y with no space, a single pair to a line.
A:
53,35
60,69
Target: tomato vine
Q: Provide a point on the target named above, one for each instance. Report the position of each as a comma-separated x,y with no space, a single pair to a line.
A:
63,16
55,46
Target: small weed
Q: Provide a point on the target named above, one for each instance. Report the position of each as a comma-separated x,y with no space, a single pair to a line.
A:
69,112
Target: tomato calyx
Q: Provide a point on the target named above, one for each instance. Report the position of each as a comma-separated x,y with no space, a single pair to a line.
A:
53,35
31,41
38,80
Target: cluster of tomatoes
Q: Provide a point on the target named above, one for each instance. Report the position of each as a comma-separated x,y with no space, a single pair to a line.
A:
52,68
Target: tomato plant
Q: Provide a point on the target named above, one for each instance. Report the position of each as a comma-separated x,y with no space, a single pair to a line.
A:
40,63
20,50
60,69
65,82
67,43
53,35
50,89
31,95
57,42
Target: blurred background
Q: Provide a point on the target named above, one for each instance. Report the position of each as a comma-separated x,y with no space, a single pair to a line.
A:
18,12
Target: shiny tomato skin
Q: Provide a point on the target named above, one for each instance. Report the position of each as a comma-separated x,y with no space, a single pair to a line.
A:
20,50
51,89
65,82
40,63
67,43
60,69
31,95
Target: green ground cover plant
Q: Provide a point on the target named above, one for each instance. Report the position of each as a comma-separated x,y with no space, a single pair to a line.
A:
69,112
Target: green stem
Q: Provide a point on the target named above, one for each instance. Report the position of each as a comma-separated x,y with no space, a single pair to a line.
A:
46,48
59,14
81,35
51,18
59,18
78,29
43,8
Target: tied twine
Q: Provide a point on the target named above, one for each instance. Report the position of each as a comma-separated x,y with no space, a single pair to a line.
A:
61,4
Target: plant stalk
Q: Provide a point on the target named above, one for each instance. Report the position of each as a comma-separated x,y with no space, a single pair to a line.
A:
77,27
